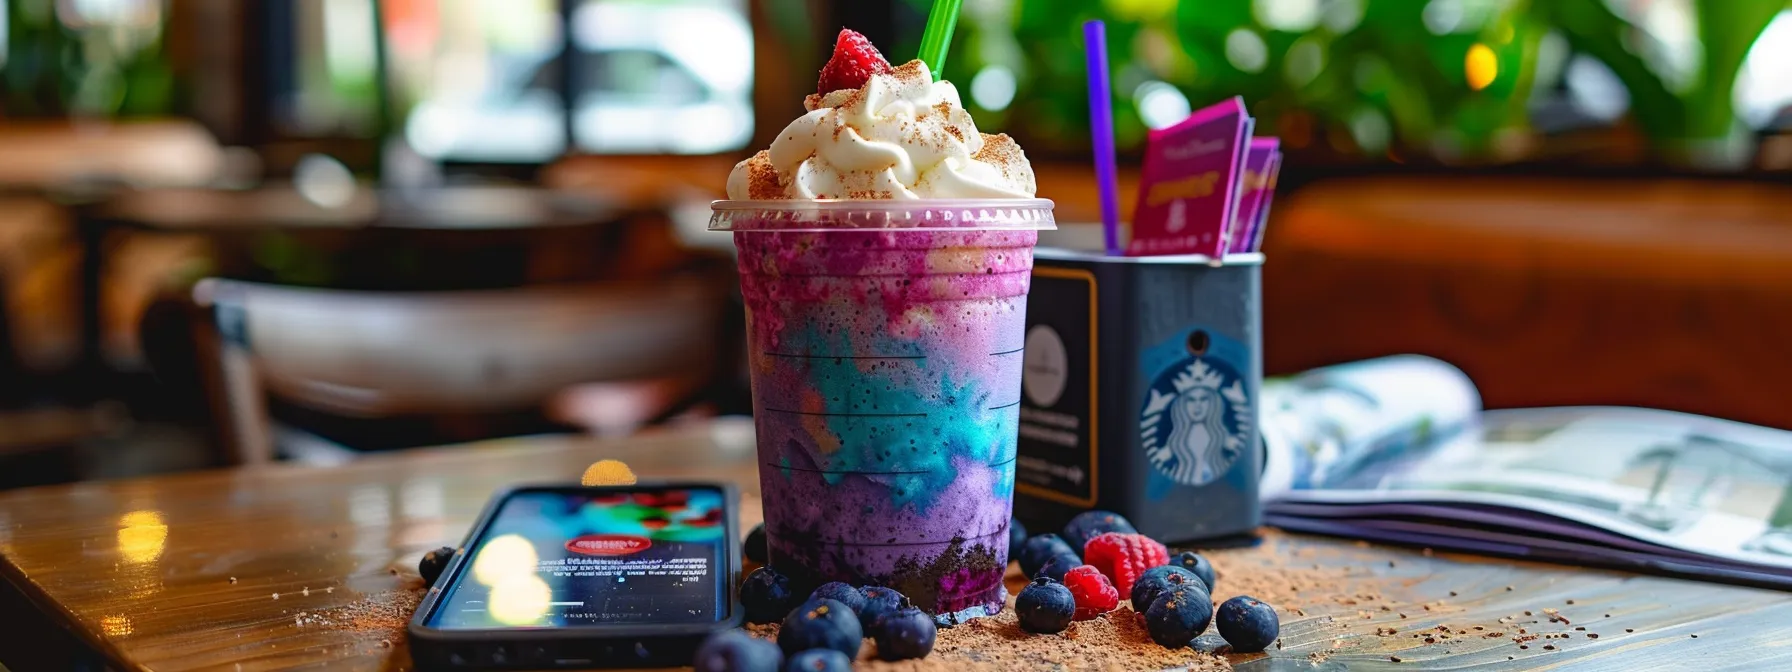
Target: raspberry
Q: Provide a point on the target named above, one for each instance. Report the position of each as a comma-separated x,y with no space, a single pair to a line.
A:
853,63
1093,593
1124,557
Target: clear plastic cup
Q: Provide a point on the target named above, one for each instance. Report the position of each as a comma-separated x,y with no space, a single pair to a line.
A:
885,344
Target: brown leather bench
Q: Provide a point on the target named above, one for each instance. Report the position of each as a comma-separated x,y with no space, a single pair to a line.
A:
1664,293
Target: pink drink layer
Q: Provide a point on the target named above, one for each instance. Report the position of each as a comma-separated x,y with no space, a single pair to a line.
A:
886,384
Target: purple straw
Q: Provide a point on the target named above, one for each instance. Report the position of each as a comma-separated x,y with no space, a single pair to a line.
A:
1101,130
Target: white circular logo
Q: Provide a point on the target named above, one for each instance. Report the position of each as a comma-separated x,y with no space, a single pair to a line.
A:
1195,421
1046,366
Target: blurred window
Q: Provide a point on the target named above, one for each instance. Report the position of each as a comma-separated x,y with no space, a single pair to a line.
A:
476,79
667,76
480,80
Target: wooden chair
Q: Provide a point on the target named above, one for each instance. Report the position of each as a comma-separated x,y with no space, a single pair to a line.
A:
354,354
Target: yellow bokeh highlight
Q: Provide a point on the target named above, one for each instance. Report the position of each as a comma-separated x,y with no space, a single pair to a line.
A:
1481,66
504,557
520,600
115,626
608,472
141,536
1140,10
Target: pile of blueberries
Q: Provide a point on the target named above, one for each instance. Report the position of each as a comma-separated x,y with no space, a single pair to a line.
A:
1174,594
822,634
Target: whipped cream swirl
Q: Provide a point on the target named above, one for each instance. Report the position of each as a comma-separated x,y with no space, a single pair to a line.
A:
900,136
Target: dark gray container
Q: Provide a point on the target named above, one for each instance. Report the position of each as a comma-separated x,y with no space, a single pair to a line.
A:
1140,393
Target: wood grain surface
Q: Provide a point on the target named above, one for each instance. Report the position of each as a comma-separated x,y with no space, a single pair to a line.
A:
288,567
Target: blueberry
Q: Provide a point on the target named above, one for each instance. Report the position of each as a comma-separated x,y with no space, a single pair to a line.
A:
1057,566
1178,616
879,601
1040,549
821,624
1044,606
1248,624
736,651
1157,580
766,595
819,660
845,593
1090,524
1017,535
1194,562
904,634
755,545
433,563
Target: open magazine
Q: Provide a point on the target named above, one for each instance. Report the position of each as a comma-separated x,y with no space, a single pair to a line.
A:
1399,450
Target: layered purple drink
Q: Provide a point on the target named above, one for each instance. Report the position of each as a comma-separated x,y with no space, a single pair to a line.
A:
885,251
886,387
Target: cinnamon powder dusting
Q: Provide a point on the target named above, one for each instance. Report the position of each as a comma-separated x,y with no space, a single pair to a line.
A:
763,182
1000,151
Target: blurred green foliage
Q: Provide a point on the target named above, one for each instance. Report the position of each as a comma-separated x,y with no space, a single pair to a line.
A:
57,62
1447,78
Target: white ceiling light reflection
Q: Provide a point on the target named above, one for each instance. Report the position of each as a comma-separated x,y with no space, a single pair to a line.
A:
1246,51
422,504
1160,105
503,558
993,88
422,498
370,506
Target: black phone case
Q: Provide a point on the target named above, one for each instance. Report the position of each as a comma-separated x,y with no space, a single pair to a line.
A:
580,647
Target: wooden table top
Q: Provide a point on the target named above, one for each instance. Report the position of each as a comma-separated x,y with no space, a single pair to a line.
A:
285,567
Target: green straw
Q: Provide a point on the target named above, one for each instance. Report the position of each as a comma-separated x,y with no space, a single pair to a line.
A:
941,21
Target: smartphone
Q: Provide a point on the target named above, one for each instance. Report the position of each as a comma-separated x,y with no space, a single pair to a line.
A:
558,576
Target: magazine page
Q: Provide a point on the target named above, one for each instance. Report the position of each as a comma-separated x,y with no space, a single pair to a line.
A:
1342,426
1528,548
1707,486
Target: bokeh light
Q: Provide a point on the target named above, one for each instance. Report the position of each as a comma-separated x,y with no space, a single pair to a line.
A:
504,557
993,87
520,600
1160,105
1246,51
1481,66
141,536
1293,16
116,626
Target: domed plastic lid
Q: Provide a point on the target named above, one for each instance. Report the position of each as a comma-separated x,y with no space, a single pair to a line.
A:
885,215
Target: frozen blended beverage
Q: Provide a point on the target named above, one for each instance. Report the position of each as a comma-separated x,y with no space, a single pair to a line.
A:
885,252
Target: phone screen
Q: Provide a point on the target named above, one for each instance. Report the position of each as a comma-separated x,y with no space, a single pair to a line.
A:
560,558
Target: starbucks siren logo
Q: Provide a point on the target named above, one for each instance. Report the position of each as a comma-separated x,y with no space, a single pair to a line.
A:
1195,421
